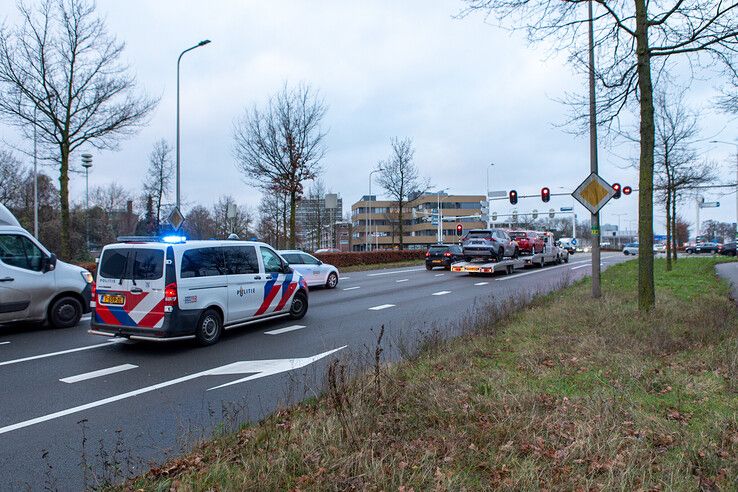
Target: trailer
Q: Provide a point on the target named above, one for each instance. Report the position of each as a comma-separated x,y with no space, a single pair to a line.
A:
550,254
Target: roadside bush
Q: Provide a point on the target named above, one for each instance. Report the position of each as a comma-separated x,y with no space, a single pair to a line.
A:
369,257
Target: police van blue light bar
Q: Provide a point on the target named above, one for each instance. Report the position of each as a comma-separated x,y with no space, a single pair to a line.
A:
171,239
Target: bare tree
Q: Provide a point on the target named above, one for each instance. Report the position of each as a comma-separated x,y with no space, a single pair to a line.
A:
280,147
60,71
230,218
158,180
400,178
199,223
316,216
272,224
633,39
12,175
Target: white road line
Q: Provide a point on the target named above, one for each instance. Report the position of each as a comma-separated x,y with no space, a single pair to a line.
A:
380,307
580,266
482,283
395,272
441,293
439,274
4,343
344,278
542,270
352,288
61,352
284,330
86,317
97,374
403,280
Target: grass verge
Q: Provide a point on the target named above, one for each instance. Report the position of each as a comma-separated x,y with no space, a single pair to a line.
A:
567,394
381,266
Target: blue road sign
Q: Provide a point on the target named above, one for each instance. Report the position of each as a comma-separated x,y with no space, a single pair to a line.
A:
574,241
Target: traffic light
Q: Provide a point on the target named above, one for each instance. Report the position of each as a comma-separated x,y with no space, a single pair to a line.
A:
545,194
627,190
513,197
459,229
616,187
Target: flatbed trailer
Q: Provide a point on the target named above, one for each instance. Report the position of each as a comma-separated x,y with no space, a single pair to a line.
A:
489,267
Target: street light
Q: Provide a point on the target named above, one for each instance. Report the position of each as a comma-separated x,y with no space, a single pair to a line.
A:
440,215
35,176
736,182
87,164
201,43
489,204
573,217
367,225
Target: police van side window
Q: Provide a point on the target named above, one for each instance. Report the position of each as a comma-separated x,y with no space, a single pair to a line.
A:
113,263
19,251
203,262
241,260
272,263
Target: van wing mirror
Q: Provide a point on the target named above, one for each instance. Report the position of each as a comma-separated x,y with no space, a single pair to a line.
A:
286,268
50,263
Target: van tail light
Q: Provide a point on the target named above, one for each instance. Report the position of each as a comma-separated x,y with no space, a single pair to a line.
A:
170,297
447,254
93,295
427,254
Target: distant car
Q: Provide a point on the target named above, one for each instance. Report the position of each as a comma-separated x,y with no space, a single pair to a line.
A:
529,242
659,248
563,253
728,249
494,244
443,255
702,248
568,244
316,273
327,250
630,249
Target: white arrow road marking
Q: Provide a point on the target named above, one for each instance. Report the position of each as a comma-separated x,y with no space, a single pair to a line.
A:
482,283
284,330
352,288
4,343
262,368
97,374
380,307
441,293
403,280
395,272
61,352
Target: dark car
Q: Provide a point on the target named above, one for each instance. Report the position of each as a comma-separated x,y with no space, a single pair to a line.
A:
728,249
493,244
442,255
702,248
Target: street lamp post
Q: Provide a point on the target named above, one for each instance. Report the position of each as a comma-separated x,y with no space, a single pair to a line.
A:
367,224
35,177
736,182
440,215
489,203
87,164
201,43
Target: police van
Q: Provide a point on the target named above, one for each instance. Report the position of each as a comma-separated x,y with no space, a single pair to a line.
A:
176,289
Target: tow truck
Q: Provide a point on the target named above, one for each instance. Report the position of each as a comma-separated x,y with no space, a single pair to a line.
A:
550,254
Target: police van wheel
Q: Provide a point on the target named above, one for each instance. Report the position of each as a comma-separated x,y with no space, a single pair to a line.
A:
332,281
65,312
299,306
209,328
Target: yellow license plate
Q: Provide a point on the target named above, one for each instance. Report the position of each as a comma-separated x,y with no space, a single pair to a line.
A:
437,261
116,299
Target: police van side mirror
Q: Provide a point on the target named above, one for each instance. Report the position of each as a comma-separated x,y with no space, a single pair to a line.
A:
286,268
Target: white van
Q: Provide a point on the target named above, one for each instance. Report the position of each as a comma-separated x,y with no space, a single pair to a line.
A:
34,285
177,289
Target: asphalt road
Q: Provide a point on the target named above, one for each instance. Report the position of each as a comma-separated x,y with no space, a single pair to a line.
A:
78,410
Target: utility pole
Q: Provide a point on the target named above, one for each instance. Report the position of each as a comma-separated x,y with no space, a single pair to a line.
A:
596,292
87,164
35,176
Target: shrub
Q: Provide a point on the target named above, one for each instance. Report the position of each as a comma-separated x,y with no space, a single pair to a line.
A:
370,257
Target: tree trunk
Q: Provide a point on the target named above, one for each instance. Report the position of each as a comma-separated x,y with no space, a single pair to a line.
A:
293,207
673,226
399,216
668,223
646,291
283,236
64,251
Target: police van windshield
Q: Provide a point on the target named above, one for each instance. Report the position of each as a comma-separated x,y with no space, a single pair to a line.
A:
132,263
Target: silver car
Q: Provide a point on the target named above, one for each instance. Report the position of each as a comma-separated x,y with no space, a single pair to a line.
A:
494,244
316,273
34,286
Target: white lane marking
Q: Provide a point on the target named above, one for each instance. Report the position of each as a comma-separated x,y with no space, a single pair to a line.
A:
61,352
403,280
4,343
97,374
395,272
344,278
542,270
352,288
580,266
439,274
482,283
86,317
284,330
441,293
262,368
381,306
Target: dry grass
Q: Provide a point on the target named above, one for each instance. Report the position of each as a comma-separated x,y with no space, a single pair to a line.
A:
567,394
381,266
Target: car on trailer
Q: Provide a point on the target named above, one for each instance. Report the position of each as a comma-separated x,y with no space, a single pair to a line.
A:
529,242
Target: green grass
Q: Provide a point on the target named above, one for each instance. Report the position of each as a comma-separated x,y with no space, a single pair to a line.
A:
569,393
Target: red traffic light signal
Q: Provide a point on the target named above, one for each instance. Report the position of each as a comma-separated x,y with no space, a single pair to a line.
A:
545,194
627,190
459,229
513,197
616,187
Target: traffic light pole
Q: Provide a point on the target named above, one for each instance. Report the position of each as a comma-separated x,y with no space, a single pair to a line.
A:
596,292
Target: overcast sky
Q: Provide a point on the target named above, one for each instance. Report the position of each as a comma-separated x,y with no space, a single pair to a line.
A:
468,94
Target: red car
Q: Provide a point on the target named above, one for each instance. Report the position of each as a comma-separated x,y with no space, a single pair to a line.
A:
529,242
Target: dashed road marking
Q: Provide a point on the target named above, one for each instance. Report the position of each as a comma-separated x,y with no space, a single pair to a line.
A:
381,306
439,274
395,272
61,352
4,343
403,280
284,330
345,278
580,266
352,288
482,283
98,374
441,293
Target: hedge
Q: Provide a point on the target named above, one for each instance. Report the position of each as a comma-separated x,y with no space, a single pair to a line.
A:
370,257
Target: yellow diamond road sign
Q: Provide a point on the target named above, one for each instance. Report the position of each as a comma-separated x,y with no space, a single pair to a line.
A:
593,193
